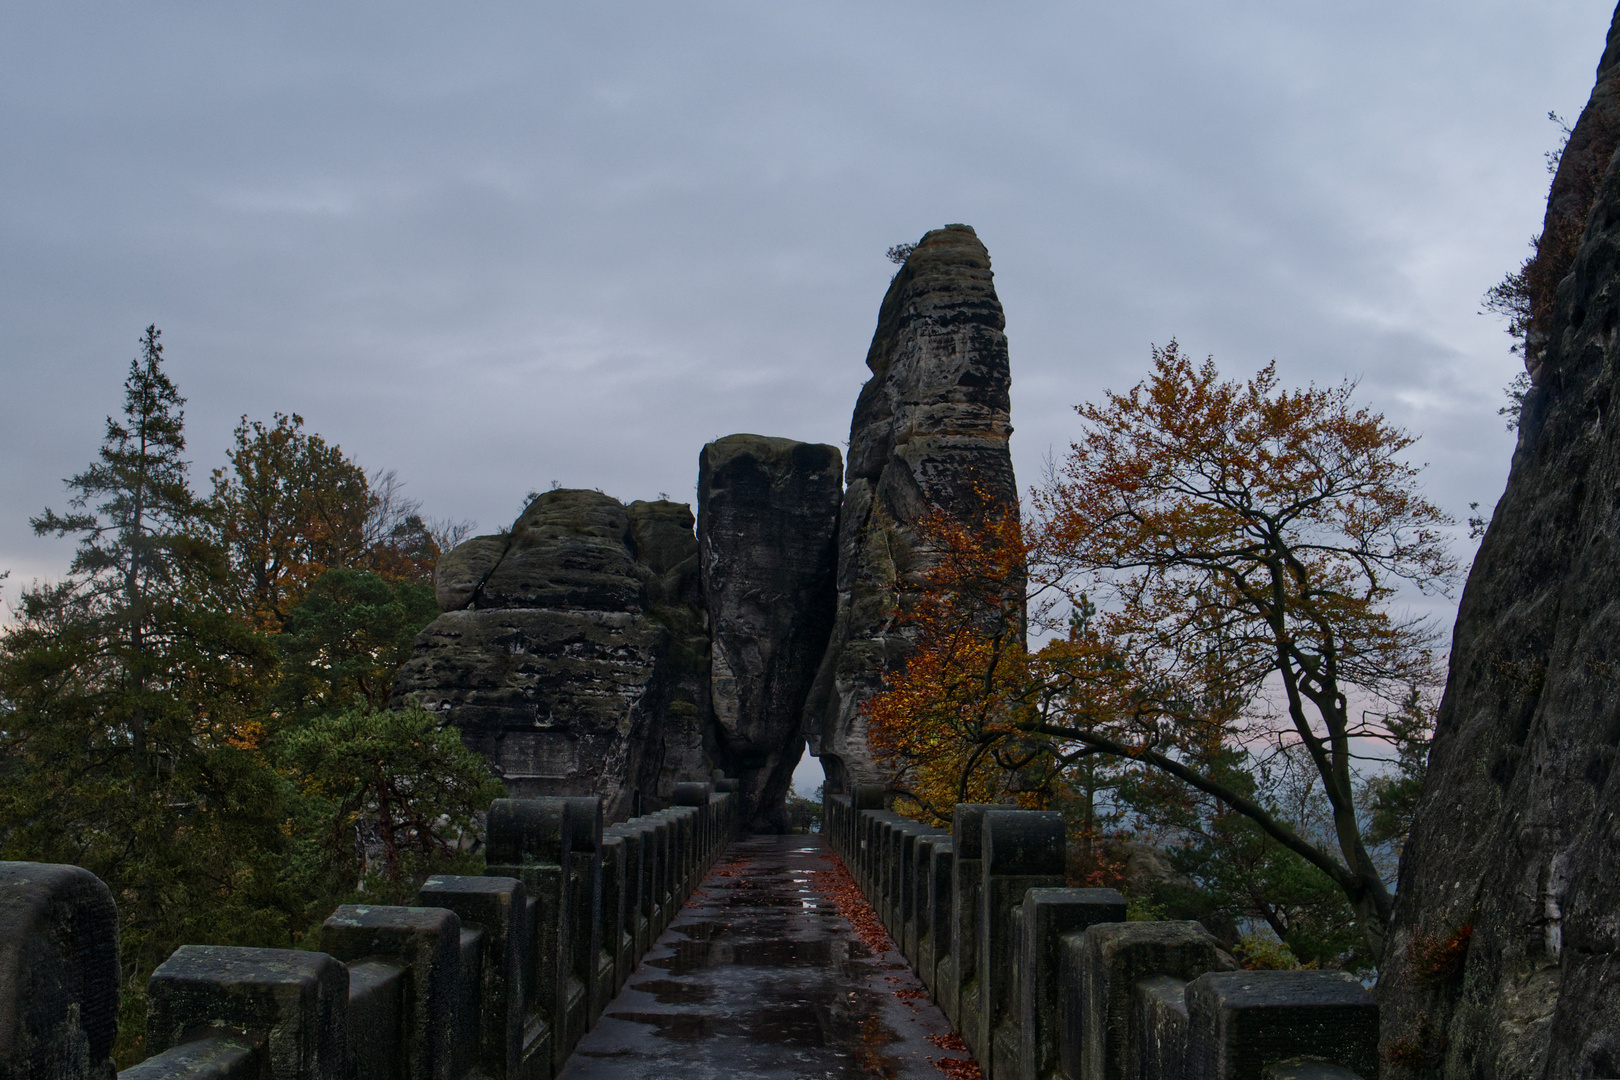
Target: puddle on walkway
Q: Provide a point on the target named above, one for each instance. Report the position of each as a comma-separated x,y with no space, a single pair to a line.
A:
693,956
828,1017
760,976
674,991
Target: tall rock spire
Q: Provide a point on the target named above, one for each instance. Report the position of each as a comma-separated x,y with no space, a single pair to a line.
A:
930,430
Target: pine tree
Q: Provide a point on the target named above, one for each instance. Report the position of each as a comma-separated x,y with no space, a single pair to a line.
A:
129,699
133,511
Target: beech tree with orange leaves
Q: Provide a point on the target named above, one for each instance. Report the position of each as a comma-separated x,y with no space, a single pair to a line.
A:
290,506
952,723
1243,545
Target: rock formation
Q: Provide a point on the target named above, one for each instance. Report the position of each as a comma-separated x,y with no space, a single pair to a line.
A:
571,650
1511,863
602,649
767,537
1581,165
930,429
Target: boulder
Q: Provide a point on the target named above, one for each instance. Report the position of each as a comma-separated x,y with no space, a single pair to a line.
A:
767,537
1500,961
930,429
571,652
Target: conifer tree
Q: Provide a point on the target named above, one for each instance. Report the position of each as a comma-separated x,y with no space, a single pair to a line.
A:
129,702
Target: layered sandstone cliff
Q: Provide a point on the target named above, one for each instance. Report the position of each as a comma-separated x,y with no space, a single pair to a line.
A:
572,651
930,430
1511,859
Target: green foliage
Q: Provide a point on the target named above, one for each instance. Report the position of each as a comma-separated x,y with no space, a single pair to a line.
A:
386,799
804,815
1391,798
1257,953
130,739
1233,877
1139,908
347,637
229,786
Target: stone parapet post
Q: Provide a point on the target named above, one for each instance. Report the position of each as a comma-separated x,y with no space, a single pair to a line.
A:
530,839
1103,1021
890,830
425,946
633,932
916,929
1022,850
664,870
865,797
934,944
1160,1005
1239,1023
1048,918
283,1010
959,986
58,971
590,970
512,1041
618,934
905,885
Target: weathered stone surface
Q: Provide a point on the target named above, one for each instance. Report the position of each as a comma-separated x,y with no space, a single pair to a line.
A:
426,941
1101,968
1240,1022
571,652
930,430
58,972
665,545
461,573
294,1002
1517,833
569,550
1581,165
767,534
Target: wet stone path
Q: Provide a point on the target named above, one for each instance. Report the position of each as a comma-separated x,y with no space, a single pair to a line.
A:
760,976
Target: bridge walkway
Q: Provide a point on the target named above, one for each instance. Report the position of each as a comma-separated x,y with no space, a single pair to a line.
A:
763,974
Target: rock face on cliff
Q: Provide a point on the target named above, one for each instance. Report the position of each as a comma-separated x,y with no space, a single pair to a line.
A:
1581,165
930,429
767,538
1517,834
572,652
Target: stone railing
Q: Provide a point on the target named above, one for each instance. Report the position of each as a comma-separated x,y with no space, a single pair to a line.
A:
1044,981
495,976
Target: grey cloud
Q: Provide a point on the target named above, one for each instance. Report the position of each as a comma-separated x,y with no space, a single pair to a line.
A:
494,248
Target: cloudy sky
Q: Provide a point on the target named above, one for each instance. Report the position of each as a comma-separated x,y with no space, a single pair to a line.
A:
493,246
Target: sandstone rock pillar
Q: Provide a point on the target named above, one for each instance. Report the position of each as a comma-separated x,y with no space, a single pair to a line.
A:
767,542
571,651
930,430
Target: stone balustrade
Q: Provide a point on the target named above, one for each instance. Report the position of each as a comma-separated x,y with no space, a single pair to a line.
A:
1043,981
493,977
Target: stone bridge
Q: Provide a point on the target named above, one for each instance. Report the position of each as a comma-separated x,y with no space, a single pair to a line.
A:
666,946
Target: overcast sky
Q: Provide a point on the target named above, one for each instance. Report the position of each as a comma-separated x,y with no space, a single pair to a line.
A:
493,246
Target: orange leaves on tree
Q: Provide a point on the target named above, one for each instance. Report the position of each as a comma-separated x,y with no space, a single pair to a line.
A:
950,723
1213,566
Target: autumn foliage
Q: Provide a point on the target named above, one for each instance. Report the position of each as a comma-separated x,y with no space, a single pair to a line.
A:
950,723
1213,568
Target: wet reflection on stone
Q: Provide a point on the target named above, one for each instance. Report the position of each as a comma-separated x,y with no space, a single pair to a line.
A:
674,991
759,976
694,955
